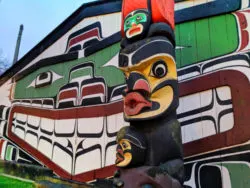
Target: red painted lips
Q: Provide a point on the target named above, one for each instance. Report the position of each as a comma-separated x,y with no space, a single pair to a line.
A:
134,102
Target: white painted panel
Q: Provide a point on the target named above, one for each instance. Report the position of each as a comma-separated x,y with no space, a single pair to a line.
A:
45,147
21,117
34,121
224,93
208,128
4,93
226,122
31,140
62,159
110,155
90,125
190,102
2,127
88,161
19,133
116,122
66,126
47,124
192,132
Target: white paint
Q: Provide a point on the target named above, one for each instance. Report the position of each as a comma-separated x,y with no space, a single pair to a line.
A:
190,3
62,159
34,121
47,124
90,125
2,127
5,92
45,148
21,117
245,4
88,162
19,133
226,122
65,126
224,93
31,139
116,122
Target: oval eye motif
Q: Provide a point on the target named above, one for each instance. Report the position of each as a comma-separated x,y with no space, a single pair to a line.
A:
138,18
124,145
159,69
128,23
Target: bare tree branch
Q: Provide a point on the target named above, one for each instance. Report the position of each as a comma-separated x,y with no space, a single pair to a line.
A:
4,63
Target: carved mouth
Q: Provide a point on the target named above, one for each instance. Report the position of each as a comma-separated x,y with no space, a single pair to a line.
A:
119,156
135,30
134,102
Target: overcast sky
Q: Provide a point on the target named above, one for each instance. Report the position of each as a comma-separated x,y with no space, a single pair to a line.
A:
39,18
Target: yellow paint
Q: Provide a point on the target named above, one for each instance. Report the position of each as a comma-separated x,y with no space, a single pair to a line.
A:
125,145
165,95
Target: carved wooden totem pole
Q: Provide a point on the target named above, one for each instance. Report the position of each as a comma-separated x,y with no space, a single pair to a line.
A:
149,151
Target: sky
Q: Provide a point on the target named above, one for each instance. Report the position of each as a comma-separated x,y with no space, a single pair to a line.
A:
39,18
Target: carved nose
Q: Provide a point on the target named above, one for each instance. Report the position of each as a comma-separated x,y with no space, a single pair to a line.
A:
137,82
134,24
141,84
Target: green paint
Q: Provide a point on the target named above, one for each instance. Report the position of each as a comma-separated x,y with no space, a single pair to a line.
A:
205,39
7,182
8,155
135,19
239,174
99,59
82,72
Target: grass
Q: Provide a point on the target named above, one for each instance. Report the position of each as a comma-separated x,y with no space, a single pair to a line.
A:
7,182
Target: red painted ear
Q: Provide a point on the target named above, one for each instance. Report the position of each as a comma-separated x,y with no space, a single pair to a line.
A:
163,11
129,6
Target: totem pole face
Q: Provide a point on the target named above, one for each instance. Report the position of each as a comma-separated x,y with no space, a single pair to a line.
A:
123,155
151,77
131,148
136,23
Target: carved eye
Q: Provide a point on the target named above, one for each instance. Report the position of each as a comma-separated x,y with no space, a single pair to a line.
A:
138,18
44,79
159,69
128,22
124,145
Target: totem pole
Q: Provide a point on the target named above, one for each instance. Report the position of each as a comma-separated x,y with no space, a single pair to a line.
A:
149,151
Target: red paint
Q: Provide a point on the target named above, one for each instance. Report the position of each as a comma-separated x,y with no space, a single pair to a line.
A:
95,89
68,94
141,85
134,102
243,24
1,148
86,35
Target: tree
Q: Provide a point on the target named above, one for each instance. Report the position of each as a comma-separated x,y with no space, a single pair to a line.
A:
4,63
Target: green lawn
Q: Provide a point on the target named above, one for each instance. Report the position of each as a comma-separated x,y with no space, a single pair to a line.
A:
7,182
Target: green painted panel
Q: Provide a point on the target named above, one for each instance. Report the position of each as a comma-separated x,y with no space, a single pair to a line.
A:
99,59
204,39
81,72
9,153
239,174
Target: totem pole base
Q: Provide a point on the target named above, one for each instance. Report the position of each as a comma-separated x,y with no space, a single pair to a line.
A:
141,178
